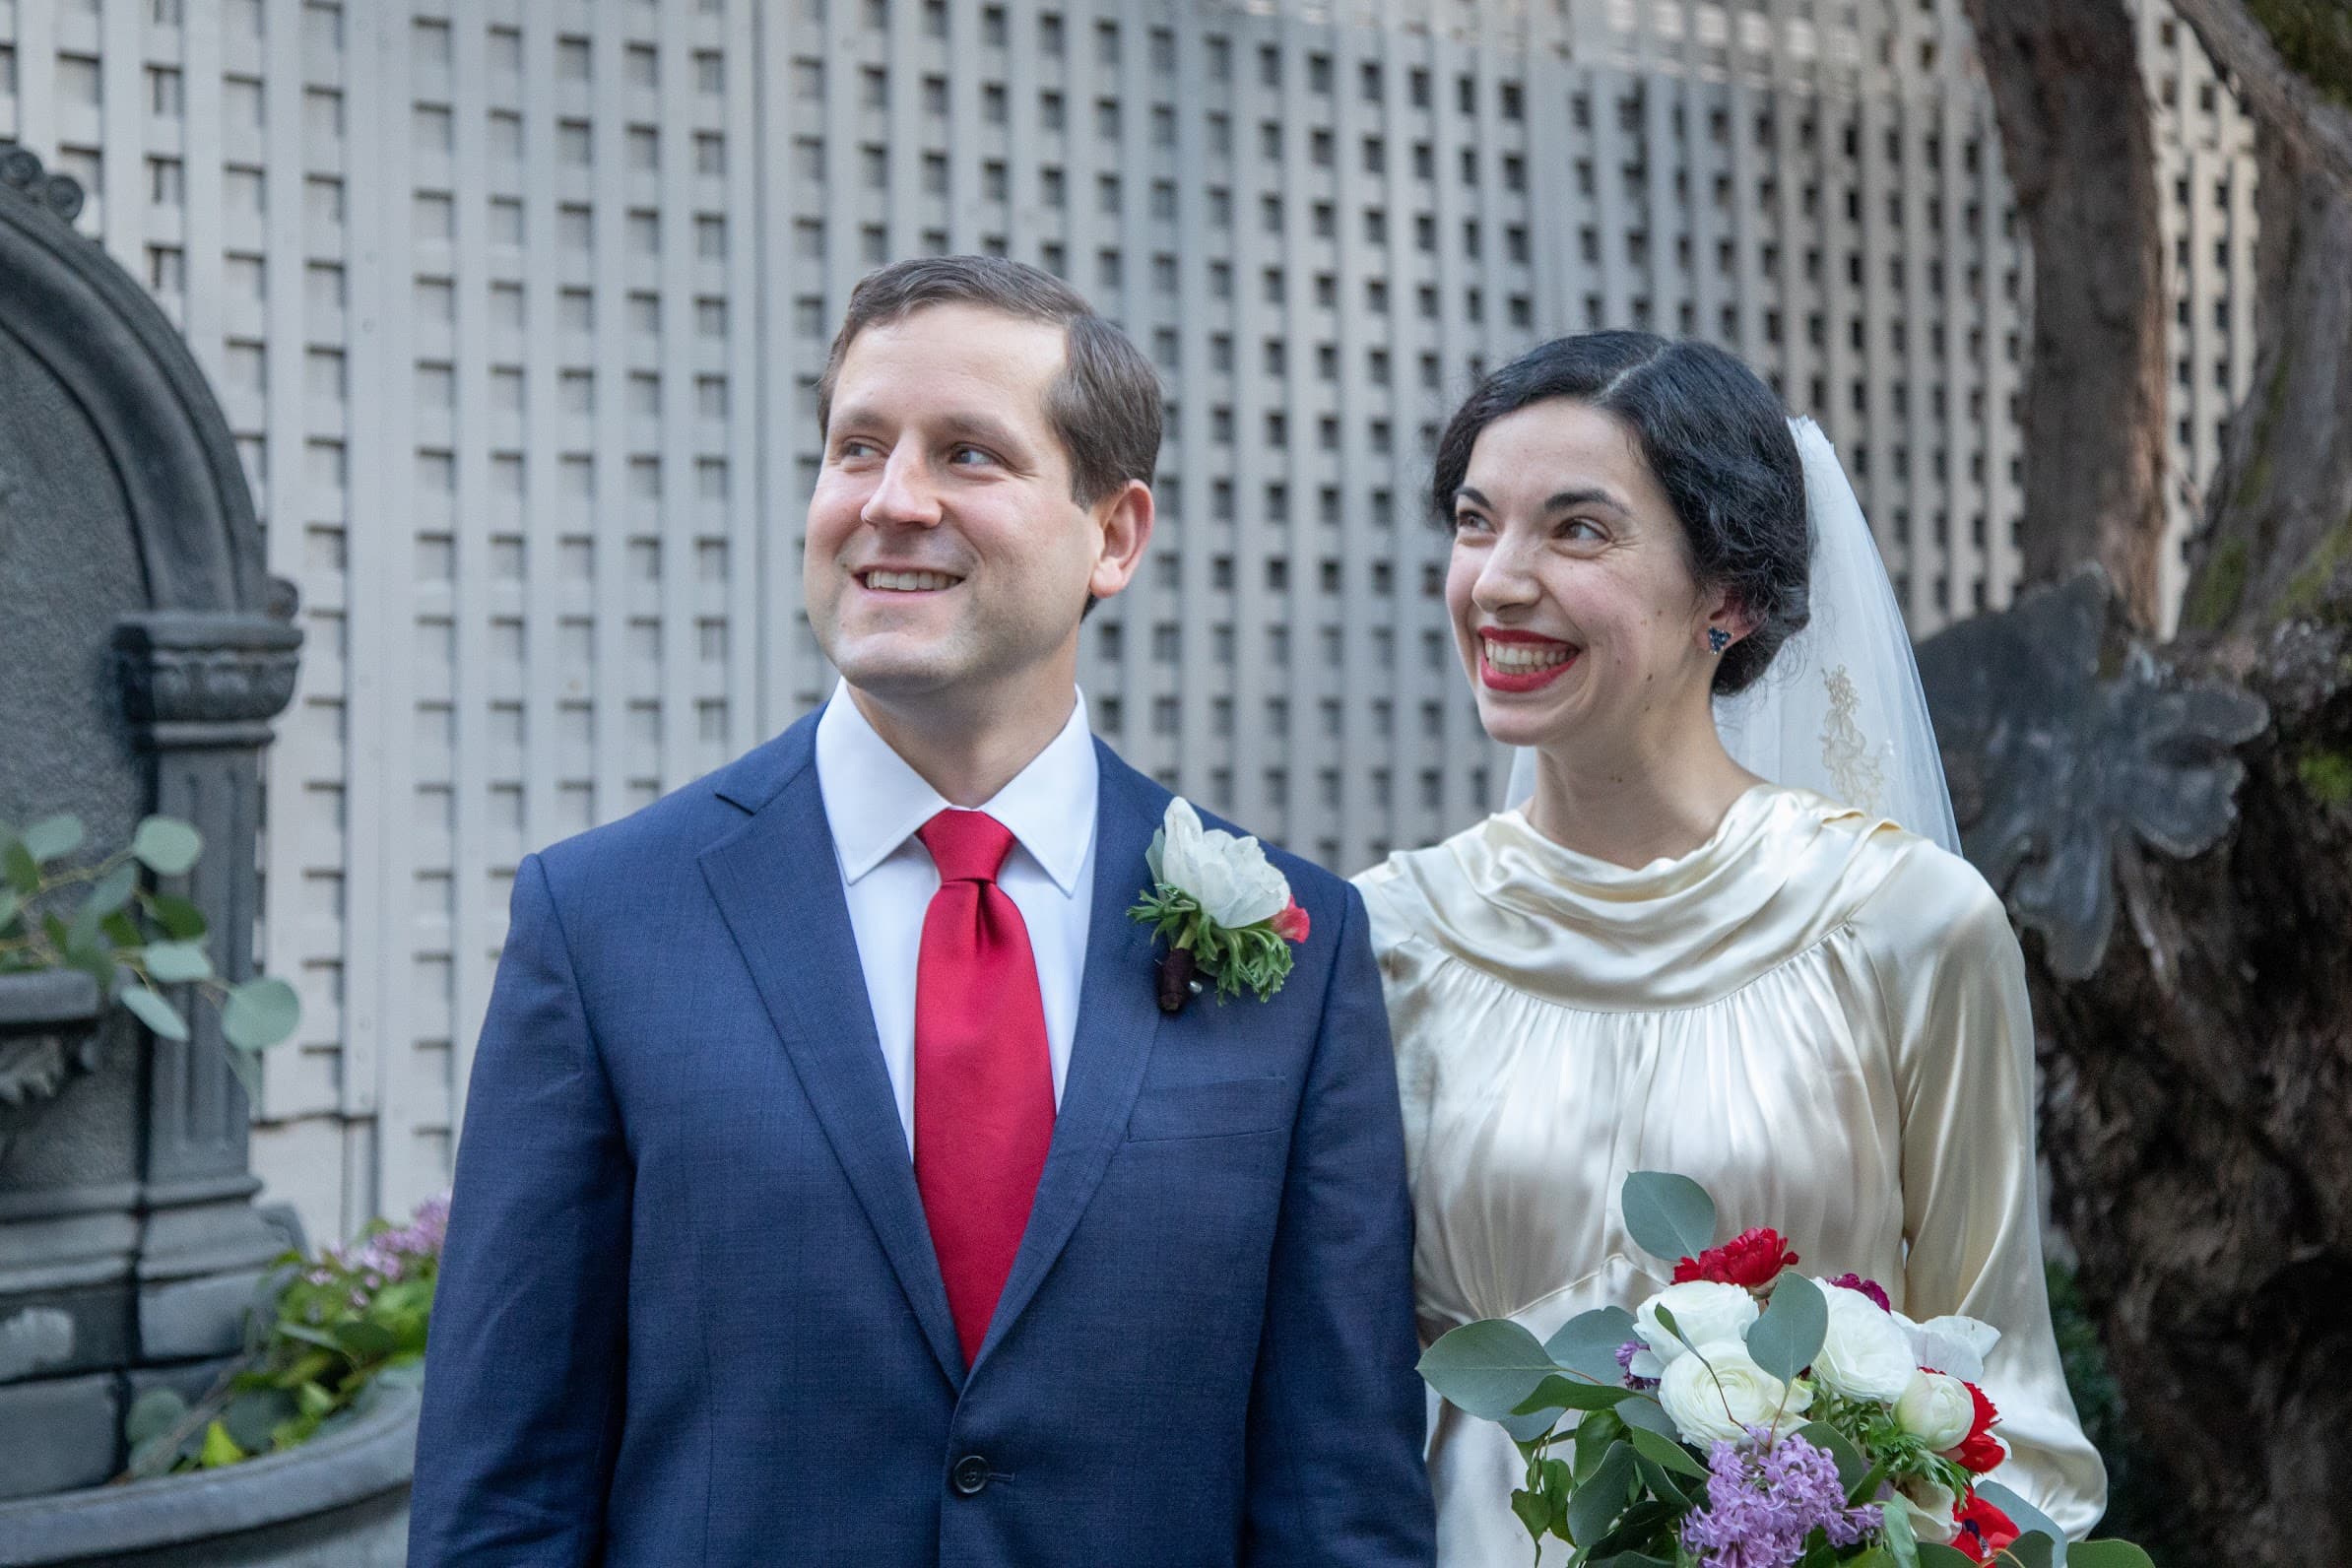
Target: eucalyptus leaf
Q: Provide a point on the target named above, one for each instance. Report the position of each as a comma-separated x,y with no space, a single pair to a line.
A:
181,920
9,904
153,1414
1644,1410
176,963
53,836
113,890
2107,1554
1486,1368
1658,1480
2029,1520
2032,1551
1534,1510
1598,1501
156,1014
261,1013
1665,1452
1896,1533
1525,1428
1932,1555
1669,1216
20,867
166,846
1588,1343
1557,1392
1787,1338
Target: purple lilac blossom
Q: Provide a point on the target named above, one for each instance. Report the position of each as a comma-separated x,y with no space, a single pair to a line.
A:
1868,1287
1763,1501
1625,1354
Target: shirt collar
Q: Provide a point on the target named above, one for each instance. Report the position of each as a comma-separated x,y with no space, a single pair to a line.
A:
875,802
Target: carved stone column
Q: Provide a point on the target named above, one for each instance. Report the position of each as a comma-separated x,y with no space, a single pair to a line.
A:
200,689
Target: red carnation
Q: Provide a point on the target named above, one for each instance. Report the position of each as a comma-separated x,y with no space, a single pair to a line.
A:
1980,1451
1752,1259
1984,1530
1291,924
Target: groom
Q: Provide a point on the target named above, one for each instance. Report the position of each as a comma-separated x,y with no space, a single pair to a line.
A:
834,1190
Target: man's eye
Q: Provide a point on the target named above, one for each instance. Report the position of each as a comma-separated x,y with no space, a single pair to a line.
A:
855,446
969,456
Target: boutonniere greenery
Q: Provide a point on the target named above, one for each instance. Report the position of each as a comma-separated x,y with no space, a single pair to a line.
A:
1225,913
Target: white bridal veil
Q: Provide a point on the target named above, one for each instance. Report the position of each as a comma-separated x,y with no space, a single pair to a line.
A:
1841,710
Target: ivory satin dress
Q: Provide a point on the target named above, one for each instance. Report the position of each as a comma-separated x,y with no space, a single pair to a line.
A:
1816,1014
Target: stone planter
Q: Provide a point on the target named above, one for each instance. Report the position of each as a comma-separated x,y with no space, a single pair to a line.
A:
338,1501
48,1036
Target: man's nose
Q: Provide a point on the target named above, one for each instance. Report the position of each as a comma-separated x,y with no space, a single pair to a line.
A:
905,494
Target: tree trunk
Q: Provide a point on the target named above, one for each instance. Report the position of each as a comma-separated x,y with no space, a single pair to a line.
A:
2198,1119
2078,144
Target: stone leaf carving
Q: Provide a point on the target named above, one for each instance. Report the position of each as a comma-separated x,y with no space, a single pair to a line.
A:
48,1036
2052,763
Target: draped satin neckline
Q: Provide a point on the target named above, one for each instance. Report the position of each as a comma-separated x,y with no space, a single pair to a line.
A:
1681,931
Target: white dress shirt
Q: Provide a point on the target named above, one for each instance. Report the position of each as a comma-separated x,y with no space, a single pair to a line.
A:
875,802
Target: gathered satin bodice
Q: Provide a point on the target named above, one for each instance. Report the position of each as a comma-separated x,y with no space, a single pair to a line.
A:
1818,1017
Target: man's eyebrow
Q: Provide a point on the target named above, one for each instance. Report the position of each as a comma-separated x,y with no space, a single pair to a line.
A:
983,428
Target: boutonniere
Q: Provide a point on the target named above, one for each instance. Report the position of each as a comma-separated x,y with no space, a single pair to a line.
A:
1226,913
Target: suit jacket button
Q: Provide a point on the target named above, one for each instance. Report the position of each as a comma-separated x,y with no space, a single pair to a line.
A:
970,1476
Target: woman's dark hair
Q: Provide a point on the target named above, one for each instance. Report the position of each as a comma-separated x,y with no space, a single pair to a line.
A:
1717,438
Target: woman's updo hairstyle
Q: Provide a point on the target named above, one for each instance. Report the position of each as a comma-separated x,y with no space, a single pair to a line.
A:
1717,438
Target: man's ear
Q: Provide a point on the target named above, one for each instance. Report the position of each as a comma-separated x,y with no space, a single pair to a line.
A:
1125,518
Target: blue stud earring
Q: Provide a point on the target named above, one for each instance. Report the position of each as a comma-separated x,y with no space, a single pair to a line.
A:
1718,639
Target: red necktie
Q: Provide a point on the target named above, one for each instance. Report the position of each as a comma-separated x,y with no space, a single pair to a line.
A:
984,1082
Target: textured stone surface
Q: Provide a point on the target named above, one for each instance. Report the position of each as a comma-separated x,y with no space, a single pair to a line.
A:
340,1501
56,1433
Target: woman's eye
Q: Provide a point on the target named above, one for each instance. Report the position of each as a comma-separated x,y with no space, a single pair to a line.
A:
1469,523
1582,530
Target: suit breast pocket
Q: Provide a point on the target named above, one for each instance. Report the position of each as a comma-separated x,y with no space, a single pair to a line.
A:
1228,1108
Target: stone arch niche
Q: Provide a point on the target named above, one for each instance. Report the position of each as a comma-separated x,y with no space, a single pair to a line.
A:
143,652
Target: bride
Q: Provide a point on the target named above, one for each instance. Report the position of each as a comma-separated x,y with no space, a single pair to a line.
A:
1663,961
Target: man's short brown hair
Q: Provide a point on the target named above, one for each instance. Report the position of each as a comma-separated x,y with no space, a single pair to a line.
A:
1104,404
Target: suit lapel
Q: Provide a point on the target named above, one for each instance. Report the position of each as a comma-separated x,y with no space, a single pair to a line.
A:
778,886
1117,1018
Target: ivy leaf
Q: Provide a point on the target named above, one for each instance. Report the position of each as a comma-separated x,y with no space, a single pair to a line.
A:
177,962
1667,1216
260,1013
156,1014
166,846
53,836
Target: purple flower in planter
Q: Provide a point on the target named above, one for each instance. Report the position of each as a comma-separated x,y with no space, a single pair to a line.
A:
1763,1502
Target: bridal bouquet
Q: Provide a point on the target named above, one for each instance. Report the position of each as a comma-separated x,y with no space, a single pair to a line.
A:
1751,1416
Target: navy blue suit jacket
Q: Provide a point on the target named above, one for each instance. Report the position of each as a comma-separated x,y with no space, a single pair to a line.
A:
690,1310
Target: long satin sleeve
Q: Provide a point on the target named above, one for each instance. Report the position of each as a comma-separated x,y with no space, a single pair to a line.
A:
1954,985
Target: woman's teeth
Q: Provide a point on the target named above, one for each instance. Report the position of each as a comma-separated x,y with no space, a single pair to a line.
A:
909,582
1518,657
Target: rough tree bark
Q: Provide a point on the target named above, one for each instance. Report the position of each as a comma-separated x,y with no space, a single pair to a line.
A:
2079,148
2199,1113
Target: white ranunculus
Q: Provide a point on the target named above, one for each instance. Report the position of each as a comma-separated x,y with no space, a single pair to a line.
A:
1936,1408
1930,1509
1720,1392
1866,1355
1951,1343
1229,877
1704,1310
